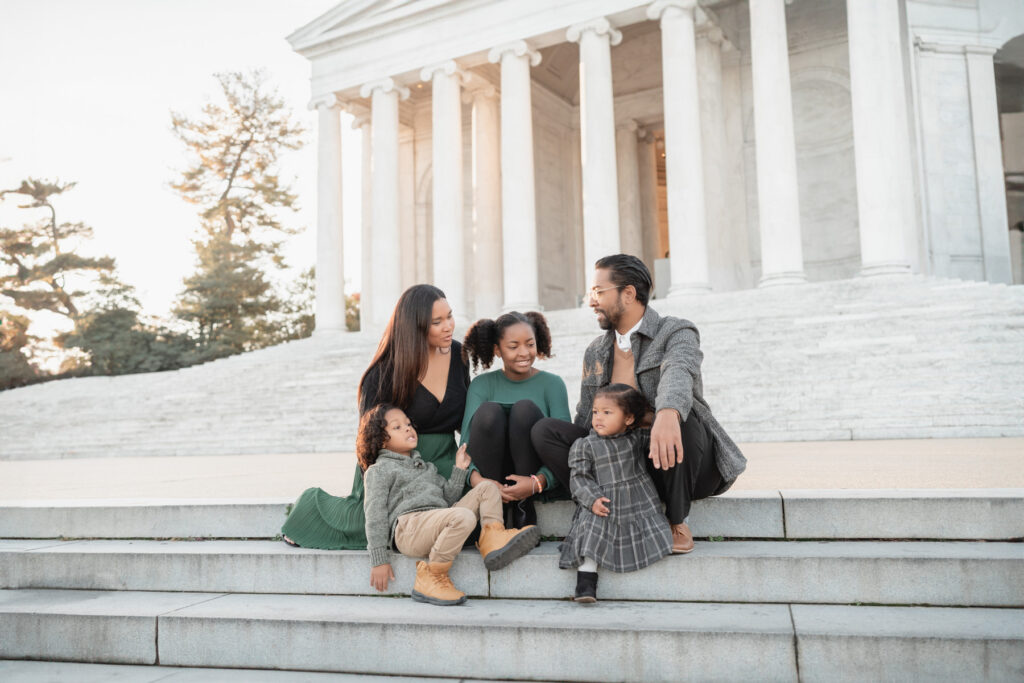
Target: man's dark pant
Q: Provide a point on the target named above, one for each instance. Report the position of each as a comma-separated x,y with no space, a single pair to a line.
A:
678,487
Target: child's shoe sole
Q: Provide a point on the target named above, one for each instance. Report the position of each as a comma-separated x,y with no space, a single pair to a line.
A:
420,597
521,543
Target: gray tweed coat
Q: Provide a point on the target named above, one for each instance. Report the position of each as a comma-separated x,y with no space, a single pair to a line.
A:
667,354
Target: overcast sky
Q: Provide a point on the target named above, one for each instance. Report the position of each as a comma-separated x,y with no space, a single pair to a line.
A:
86,88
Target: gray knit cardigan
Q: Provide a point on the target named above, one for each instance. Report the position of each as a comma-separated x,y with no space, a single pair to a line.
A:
397,485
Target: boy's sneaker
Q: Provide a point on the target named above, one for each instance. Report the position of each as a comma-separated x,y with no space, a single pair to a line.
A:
586,587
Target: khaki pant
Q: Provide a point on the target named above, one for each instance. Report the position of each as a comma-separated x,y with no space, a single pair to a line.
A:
439,534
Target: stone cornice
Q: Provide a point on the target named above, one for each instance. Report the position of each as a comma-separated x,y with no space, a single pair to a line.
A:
518,48
599,26
385,85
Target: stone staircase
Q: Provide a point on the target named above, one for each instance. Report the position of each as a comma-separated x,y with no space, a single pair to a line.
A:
783,585
908,357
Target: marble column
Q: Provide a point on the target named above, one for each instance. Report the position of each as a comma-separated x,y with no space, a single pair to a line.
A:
647,154
362,123
628,164
330,262
778,198
684,164
384,96
880,142
721,254
488,284
446,144
597,130
988,165
520,268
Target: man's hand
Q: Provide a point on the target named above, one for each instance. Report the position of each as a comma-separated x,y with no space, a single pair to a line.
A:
462,459
380,576
666,440
599,508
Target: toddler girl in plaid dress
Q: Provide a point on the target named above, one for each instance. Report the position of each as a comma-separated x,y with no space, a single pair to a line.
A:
618,524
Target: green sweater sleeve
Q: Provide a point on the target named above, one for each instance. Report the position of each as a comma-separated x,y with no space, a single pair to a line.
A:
475,396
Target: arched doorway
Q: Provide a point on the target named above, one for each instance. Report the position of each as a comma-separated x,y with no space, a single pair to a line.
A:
1009,71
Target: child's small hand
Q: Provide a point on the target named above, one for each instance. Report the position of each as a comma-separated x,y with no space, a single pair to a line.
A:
380,576
462,459
599,508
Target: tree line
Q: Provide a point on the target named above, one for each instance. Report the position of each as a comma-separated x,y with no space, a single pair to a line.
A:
228,305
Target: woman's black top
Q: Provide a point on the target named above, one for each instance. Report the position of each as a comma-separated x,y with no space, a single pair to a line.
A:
427,414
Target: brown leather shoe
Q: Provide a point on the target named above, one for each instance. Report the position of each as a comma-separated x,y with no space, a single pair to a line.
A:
500,546
433,585
682,539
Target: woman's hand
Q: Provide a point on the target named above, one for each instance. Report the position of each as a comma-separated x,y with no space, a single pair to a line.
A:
462,459
380,576
599,508
521,488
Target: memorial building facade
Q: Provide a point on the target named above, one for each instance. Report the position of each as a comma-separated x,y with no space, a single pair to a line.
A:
507,144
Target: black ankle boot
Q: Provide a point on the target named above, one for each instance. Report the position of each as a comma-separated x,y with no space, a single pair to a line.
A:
586,587
524,513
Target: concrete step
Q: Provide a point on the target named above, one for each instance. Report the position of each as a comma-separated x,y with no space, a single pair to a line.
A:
951,514
74,672
515,639
837,572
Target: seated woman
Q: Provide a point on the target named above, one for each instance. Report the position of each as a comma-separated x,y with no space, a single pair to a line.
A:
418,367
503,405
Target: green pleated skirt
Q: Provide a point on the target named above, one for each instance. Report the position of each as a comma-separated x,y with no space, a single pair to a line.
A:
320,520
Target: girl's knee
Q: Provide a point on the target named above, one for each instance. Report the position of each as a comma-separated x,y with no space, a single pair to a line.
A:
490,415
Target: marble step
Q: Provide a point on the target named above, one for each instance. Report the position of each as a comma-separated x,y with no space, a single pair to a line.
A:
963,574
947,514
514,639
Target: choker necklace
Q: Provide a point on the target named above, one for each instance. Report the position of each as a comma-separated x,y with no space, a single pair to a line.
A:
444,351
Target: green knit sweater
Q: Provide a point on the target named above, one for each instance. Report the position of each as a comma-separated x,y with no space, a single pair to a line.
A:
397,485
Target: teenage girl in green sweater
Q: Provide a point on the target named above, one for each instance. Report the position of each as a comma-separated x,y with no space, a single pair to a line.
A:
503,405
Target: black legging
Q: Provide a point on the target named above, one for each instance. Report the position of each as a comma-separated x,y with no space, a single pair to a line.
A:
678,487
500,443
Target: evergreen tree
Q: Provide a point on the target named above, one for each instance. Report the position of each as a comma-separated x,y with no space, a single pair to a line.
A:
15,368
234,147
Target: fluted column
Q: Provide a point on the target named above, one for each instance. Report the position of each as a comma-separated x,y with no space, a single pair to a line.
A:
597,129
880,146
988,164
384,96
330,261
648,177
778,200
709,69
518,191
684,171
446,144
488,284
360,122
627,162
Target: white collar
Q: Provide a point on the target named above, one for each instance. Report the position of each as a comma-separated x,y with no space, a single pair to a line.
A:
622,340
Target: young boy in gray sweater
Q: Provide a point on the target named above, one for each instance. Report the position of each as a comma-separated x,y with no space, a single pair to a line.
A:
408,502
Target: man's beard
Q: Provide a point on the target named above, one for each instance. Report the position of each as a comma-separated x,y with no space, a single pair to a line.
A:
610,317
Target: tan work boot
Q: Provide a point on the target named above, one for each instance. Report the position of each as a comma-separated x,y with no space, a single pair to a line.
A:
682,539
434,586
500,546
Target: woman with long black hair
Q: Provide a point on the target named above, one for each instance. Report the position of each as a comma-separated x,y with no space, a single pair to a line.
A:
418,367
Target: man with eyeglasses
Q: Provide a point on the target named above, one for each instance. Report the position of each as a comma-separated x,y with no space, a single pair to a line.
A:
690,457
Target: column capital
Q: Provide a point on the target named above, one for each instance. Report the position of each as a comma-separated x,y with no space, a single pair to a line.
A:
518,48
627,124
449,67
656,10
386,86
328,101
599,26
361,115
712,34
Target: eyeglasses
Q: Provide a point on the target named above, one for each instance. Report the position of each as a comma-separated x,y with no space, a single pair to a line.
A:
595,292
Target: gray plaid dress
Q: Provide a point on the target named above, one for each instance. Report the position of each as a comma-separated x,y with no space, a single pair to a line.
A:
635,533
